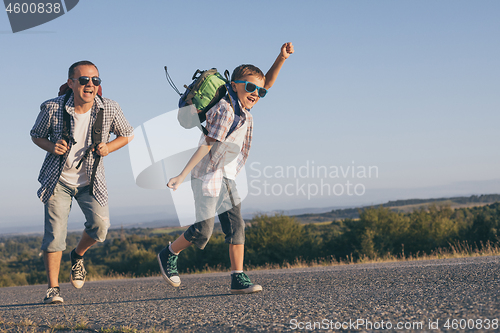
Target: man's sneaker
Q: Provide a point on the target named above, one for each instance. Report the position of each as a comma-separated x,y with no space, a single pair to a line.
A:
53,296
78,272
168,267
241,284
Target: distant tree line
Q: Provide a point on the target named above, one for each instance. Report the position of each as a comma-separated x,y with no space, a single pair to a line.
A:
270,240
353,213
484,198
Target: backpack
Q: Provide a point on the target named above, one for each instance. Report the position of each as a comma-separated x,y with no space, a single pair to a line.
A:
96,133
206,90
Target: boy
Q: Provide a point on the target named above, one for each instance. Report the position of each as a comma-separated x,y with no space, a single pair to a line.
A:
214,167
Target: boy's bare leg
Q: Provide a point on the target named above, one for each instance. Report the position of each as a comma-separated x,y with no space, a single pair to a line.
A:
180,244
236,255
52,262
84,244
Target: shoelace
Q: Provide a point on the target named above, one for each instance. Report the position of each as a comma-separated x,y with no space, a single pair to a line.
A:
172,264
52,292
243,279
78,270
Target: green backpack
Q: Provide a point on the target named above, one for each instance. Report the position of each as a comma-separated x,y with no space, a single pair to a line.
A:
207,88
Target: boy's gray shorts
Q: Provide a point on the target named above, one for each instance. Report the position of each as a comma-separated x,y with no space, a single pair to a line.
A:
227,206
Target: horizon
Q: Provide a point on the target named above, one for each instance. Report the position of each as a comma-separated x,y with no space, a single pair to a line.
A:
172,222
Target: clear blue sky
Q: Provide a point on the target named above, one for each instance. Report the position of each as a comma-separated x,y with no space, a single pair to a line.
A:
408,87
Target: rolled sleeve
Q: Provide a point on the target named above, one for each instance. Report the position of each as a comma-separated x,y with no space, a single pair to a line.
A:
120,126
41,128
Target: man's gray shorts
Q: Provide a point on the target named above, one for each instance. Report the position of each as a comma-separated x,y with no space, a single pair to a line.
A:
227,206
57,211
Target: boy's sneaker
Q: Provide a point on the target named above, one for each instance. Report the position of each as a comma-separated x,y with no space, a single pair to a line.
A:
78,272
168,267
241,284
53,296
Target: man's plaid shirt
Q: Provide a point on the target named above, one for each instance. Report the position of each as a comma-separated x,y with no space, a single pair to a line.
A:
49,124
219,121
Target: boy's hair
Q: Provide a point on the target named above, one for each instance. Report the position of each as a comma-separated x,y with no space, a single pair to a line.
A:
71,70
243,70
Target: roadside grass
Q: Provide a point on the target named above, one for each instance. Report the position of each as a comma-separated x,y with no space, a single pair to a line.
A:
79,325
457,250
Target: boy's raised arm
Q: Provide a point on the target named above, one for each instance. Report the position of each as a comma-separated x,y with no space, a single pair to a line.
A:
273,72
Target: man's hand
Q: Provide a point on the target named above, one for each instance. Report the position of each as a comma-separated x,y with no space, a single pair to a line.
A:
102,149
286,50
60,148
175,182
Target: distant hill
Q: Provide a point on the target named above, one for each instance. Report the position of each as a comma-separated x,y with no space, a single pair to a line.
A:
402,206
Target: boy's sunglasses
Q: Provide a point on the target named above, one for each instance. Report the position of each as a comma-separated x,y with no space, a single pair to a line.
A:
250,88
85,79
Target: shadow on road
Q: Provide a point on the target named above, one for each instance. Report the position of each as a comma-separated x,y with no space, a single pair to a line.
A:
14,306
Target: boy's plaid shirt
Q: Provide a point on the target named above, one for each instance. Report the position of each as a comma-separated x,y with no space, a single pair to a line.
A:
210,168
49,124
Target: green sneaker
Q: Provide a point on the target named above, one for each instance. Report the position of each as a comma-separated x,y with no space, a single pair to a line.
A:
168,267
241,284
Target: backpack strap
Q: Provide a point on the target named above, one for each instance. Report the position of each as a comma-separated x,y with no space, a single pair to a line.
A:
233,100
66,132
96,140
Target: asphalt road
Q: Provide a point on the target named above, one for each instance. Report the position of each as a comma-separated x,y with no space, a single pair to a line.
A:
414,296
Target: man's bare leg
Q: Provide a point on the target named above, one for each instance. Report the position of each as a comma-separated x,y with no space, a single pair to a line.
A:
84,244
52,262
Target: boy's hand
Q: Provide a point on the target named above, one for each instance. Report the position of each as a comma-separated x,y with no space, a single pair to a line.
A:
60,147
175,182
286,50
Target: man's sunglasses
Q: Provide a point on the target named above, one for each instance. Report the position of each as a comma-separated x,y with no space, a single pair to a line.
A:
250,88
85,79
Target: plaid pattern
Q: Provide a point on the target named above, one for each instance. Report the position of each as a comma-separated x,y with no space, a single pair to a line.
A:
219,121
49,124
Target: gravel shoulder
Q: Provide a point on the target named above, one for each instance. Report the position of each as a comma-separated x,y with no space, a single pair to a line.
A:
413,296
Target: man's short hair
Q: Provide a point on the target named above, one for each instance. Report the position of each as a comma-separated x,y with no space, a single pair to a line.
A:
243,70
71,70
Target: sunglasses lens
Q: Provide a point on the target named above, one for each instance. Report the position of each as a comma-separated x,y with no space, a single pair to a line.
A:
262,92
250,87
83,80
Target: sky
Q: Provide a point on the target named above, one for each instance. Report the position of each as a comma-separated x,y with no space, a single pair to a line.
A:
382,100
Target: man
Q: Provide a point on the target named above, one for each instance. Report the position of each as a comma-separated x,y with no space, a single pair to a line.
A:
73,168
